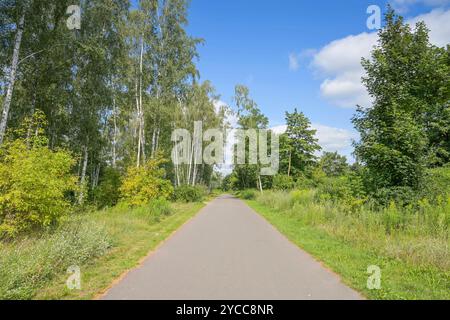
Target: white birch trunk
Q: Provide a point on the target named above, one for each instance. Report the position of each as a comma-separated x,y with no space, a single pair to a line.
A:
83,176
114,133
12,77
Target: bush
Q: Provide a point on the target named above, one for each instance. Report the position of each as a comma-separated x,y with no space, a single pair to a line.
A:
143,184
248,194
283,182
400,195
302,197
34,183
27,265
437,184
186,193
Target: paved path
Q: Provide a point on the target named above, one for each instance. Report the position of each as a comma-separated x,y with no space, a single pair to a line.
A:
229,252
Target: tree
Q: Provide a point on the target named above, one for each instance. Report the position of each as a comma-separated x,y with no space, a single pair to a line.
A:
249,117
333,164
403,131
298,144
13,70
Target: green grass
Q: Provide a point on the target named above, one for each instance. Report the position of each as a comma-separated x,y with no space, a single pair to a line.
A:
413,266
107,244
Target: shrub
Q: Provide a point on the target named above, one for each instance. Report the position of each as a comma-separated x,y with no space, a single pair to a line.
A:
186,193
283,182
34,182
399,195
248,194
437,184
303,182
302,196
26,266
146,183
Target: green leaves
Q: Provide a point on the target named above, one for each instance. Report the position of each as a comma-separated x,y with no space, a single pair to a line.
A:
405,129
34,182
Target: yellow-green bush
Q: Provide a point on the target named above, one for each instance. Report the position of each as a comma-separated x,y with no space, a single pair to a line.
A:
34,182
146,183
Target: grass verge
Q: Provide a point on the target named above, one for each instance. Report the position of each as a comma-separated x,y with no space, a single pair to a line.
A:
350,259
110,243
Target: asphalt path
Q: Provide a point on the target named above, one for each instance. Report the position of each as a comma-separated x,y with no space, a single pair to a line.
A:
229,252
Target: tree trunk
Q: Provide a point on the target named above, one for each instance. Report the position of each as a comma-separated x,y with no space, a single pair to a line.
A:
83,176
260,184
141,109
290,159
138,158
114,134
12,77
153,140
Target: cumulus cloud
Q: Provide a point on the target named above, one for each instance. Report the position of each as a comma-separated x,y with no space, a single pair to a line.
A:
293,62
339,62
330,139
438,21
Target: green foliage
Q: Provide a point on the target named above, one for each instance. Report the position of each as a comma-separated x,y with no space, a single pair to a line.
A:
34,184
407,127
437,184
227,183
28,265
187,193
298,144
247,194
107,193
249,117
283,182
145,183
333,164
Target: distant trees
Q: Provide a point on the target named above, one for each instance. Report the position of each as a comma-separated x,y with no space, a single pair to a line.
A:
333,164
407,128
250,117
298,145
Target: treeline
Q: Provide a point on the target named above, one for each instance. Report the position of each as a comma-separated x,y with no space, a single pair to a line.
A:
107,95
404,133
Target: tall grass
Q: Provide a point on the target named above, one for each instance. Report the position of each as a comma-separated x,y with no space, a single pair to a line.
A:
418,234
27,264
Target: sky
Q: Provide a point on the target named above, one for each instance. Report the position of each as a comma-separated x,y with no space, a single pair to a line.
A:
300,54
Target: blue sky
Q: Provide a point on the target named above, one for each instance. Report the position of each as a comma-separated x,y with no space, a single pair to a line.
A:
298,54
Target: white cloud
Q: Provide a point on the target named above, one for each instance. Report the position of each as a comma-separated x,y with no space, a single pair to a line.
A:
330,139
340,60
293,62
438,21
